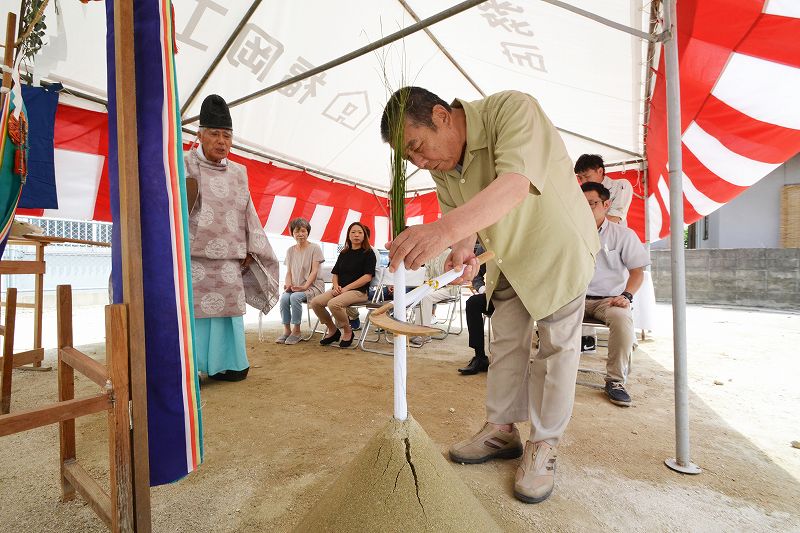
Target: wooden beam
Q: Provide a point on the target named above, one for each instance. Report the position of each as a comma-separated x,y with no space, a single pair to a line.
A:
8,57
22,267
50,239
66,386
130,232
8,351
38,302
84,364
20,305
25,358
119,429
53,413
89,489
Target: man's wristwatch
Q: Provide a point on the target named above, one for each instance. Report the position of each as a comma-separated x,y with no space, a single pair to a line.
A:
627,295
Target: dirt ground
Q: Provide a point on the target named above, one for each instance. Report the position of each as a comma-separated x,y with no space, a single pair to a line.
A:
276,441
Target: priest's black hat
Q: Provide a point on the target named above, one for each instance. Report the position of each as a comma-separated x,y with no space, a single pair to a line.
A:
214,113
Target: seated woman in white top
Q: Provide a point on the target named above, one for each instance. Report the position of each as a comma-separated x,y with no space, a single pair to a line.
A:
302,283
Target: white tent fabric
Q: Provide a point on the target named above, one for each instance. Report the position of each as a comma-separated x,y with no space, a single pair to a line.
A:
588,77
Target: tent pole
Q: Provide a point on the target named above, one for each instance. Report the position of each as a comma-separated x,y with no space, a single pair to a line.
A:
681,462
131,241
442,49
601,143
646,176
606,22
380,43
223,51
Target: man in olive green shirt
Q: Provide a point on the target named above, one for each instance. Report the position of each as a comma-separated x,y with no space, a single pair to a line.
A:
503,175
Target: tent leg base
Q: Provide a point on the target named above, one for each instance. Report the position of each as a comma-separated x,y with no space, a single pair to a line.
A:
691,468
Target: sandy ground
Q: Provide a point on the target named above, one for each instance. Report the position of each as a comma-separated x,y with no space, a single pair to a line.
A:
278,440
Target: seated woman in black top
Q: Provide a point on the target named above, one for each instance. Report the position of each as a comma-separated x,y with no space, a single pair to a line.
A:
352,273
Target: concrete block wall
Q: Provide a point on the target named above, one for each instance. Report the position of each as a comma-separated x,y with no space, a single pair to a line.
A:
751,277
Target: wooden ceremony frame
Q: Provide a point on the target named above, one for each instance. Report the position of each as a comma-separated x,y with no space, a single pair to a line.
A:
116,508
127,507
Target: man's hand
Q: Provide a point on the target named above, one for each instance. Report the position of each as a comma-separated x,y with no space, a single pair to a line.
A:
246,262
619,301
298,288
337,290
462,259
416,245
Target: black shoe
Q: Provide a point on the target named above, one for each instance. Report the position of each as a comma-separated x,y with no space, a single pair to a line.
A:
231,375
617,394
588,344
346,344
330,340
479,363
355,324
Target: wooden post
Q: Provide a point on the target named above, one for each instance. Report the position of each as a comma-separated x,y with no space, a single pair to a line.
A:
8,351
66,387
119,430
37,303
8,57
130,231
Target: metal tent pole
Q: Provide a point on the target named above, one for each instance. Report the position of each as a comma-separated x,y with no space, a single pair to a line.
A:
396,36
681,462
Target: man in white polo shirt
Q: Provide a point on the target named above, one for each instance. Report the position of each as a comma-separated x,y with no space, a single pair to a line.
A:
618,274
591,168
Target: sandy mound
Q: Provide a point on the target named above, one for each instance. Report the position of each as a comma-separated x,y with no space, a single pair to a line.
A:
399,482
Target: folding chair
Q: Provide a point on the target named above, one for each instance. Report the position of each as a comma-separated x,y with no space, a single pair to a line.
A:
375,302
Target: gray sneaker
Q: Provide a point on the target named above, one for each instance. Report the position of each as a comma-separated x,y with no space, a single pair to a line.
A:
281,339
488,443
536,473
617,394
293,339
418,340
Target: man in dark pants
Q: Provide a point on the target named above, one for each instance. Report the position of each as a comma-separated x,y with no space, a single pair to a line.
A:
475,308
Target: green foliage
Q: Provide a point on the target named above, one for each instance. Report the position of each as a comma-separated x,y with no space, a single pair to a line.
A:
35,40
398,166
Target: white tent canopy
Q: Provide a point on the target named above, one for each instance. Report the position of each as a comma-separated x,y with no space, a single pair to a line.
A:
590,78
